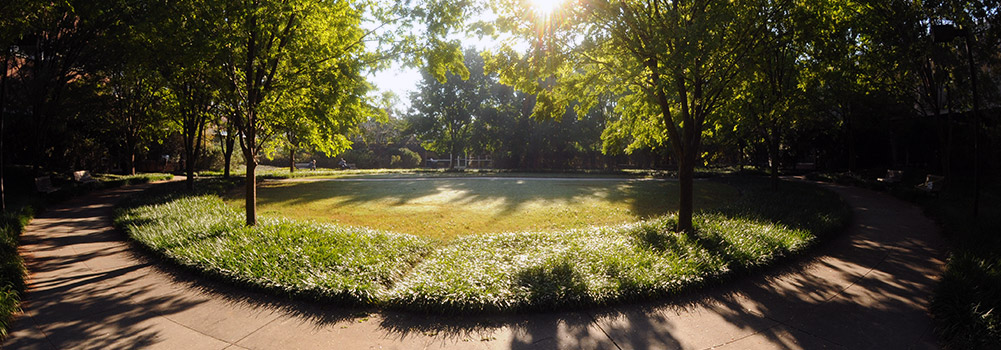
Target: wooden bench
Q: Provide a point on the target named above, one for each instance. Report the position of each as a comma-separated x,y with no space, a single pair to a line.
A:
304,166
932,184
83,176
892,176
44,185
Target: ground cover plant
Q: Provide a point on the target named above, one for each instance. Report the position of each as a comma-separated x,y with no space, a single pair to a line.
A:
449,207
967,301
12,273
295,257
531,269
555,269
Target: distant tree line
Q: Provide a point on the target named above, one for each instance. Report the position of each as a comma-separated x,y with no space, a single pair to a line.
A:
126,85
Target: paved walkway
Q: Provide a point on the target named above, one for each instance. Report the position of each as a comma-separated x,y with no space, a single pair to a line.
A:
866,289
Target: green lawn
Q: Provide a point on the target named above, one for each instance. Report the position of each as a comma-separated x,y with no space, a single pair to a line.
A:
528,269
447,208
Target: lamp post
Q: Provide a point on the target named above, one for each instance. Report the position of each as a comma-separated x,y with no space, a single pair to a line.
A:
943,33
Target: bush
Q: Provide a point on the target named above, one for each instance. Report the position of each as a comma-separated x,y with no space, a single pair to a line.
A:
405,158
12,272
967,302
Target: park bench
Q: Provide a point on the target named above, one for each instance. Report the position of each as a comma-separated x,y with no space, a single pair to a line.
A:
304,166
933,184
44,185
892,176
83,176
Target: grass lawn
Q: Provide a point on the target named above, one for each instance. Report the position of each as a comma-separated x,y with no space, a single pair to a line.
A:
525,268
446,208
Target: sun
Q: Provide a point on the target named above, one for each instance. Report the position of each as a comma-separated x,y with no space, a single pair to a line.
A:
545,8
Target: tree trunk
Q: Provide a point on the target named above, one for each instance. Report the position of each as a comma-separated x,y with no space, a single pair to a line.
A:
3,104
228,150
773,160
291,161
251,195
130,144
686,186
846,110
132,161
189,167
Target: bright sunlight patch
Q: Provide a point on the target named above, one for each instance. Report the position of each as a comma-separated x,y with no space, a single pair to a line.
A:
447,208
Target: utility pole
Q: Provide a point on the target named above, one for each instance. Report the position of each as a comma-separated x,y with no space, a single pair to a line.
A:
3,106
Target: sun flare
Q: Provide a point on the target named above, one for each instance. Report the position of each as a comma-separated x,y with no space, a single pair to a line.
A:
546,8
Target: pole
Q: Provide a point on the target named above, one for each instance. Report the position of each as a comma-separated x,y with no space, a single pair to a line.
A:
3,105
976,123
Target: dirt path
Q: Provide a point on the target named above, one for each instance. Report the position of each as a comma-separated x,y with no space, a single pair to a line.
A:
867,289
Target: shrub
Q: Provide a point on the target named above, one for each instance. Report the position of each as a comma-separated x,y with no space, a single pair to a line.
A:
405,158
12,272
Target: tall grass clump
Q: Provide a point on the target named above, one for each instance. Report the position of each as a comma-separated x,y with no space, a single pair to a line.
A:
297,258
12,272
967,301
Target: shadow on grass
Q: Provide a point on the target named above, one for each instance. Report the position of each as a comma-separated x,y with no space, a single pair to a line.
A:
506,197
867,288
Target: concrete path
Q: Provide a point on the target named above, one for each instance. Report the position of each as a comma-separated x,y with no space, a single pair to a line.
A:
867,289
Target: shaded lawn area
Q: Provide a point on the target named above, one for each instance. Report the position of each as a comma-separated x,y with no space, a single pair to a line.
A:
447,208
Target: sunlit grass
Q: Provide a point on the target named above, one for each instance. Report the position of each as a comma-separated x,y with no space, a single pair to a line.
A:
300,258
447,208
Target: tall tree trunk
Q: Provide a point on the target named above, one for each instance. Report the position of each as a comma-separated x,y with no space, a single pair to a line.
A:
686,186
3,105
228,152
847,115
773,159
132,161
189,167
291,160
130,145
251,190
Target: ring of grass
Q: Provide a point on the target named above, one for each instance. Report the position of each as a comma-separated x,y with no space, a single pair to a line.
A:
487,272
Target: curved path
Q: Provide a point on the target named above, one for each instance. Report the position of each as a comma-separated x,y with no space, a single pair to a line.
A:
868,288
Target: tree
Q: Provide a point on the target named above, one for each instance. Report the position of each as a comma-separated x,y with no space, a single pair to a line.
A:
300,131
276,51
443,112
672,65
289,55
60,41
186,51
770,99
137,100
